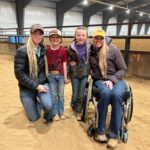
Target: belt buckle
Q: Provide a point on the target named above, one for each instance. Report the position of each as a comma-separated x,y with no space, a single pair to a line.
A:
54,72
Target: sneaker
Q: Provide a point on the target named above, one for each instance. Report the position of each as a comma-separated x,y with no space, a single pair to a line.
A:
79,116
112,143
56,118
101,138
62,117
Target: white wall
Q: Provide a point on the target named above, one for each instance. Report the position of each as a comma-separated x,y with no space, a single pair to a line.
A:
111,30
142,32
134,30
148,31
76,18
71,18
7,15
95,19
42,15
124,28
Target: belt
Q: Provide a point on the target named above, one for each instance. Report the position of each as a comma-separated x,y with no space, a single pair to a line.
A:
54,72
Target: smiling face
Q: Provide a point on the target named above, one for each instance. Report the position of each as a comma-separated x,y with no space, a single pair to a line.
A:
37,37
98,41
55,40
81,36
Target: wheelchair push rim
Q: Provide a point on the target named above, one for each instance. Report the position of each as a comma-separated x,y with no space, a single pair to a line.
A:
129,107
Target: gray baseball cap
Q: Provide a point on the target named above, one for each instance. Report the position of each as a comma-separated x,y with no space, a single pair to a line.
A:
35,27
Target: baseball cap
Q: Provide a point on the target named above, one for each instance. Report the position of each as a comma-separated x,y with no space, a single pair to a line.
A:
99,32
35,27
55,32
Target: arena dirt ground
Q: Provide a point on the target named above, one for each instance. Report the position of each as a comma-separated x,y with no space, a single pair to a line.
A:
17,133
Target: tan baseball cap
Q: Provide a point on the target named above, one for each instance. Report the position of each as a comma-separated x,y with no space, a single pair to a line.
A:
35,27
55,32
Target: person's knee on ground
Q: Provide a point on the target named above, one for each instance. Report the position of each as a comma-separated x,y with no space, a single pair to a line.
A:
34,118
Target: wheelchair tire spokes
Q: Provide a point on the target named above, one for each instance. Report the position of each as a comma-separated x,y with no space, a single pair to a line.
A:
87,99
93,97
129,107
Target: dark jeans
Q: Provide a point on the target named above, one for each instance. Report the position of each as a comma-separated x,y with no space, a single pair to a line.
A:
78,88
115,98
34,101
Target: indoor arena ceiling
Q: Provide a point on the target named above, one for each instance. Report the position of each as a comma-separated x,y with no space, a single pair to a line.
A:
134,5
133,10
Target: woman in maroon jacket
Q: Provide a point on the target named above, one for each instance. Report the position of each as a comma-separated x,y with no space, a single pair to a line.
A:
108,69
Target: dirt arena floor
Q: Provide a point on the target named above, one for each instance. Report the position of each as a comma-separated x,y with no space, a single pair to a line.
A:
17,133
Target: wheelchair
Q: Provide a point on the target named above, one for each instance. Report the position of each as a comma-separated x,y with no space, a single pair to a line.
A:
91,96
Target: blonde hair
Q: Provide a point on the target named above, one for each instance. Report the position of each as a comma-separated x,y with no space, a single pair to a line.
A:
46,66
33,68
80,28
103,59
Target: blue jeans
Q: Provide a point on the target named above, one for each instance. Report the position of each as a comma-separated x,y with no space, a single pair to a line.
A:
115,98
78,88
56,83
33,101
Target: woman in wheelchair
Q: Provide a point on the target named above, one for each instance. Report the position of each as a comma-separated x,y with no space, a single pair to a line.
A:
108,69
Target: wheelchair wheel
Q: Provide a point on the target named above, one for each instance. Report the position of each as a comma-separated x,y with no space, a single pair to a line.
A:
91,131
85,107
87,98
129,110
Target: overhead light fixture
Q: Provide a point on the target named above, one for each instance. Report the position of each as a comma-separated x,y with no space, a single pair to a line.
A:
141,14
85,2
111,7
128,11
118,6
